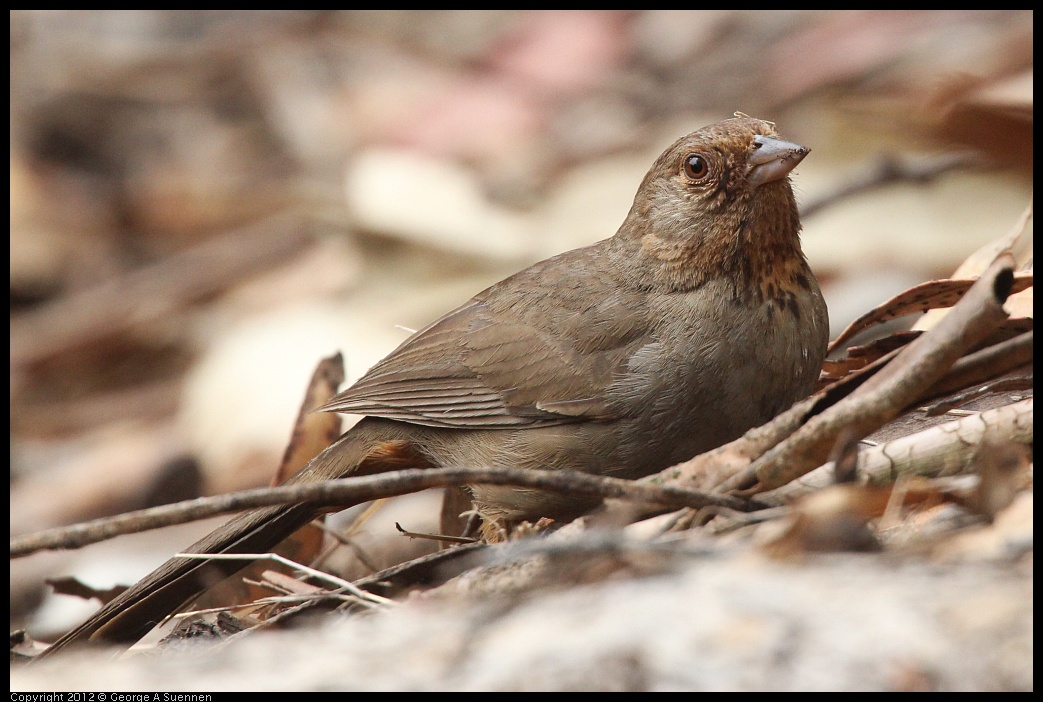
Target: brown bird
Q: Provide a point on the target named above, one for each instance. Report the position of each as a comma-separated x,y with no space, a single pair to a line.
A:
698,320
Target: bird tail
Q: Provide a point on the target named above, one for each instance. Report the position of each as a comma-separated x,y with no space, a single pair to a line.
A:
365,449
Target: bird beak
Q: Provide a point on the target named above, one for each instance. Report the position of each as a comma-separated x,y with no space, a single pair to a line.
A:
773,159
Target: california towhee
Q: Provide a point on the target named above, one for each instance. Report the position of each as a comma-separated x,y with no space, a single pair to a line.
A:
698,320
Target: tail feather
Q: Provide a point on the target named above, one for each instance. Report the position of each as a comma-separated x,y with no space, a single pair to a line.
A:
133,613
372,446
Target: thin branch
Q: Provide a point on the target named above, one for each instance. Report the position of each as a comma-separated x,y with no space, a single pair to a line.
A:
356,490
986,364
949,405
339,583
442,538
938,450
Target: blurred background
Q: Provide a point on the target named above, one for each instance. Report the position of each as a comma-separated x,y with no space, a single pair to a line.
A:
205,204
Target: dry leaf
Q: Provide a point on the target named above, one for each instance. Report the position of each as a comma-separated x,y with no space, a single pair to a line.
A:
312,433
1018,241
920,298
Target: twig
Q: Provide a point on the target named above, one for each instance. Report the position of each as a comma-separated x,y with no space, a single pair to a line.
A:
429,570
935,451
444,538
352,491
988,363
949,405
340,583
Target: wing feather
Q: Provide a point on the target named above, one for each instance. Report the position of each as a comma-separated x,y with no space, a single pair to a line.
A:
509,357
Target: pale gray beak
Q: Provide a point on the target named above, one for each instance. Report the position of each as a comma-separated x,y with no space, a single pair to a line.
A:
773,159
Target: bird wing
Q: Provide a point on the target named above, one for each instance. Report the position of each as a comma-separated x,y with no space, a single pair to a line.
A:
527,352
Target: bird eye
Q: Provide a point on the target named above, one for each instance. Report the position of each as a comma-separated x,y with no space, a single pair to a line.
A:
695,167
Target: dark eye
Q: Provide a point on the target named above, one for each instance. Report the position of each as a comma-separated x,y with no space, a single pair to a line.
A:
695,167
